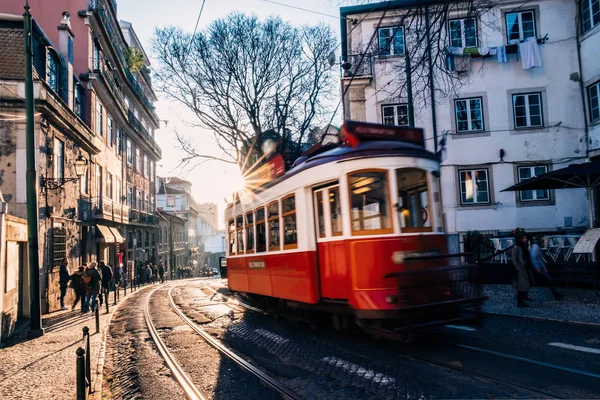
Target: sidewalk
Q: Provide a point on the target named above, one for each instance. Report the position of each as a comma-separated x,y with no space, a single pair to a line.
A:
44,368
578,306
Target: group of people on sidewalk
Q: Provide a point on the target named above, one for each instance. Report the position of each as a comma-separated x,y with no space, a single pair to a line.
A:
529,265
152,273
87,283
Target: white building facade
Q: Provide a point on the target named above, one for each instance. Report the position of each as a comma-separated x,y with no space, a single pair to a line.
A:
498,123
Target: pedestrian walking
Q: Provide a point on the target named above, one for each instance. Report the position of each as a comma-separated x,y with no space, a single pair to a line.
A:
148,273
154,273
107,276
161,272
539,266
63,281
93,277
78,286
520,258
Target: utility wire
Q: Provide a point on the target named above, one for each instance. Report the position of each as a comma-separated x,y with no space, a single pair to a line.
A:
307,10
195,30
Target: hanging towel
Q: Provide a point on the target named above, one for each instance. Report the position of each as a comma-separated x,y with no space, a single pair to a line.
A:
530,53
462,63
493,51
501,54
471,50
484,51
450,62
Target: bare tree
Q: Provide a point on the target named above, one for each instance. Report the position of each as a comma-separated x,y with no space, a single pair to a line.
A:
251,82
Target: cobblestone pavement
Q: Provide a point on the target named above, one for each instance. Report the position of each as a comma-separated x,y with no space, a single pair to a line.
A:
44,368
578,305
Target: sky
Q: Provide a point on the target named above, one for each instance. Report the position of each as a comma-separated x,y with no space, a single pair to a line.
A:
212,181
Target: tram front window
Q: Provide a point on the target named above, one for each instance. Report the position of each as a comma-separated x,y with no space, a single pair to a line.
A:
413,200
369,202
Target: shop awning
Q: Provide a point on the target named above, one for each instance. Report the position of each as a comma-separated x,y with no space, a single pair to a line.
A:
117,235
107,236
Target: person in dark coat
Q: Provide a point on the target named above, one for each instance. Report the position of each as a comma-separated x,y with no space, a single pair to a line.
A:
78,287
63,281
107,275
161,272
93,277
520,258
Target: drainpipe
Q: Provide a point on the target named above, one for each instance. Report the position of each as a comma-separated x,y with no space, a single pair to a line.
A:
431,87
582,88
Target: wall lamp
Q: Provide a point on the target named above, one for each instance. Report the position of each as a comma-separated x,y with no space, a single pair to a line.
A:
56,183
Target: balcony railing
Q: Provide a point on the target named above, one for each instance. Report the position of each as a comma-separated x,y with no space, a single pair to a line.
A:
107,209
109,80
144,133
353,67
142,217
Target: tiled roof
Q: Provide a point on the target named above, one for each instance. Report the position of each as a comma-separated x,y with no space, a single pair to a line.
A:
12,56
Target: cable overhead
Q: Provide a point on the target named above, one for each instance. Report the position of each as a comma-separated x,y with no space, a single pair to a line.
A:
307,10
195,29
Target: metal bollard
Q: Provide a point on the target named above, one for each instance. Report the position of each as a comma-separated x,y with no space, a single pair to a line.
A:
125,288
88,356
80,374
97,319
106,300
114,295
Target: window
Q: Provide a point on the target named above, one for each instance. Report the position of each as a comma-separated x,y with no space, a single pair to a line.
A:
232,247
59,159
520,25
273,217
83,182
98,180
138,160
145,167
590,14
170,201
78,106
109,129
261,232
250,232
413,201
594,101
527,109
129,153
99,122
391,41
336,211
52,71
119,192
96,57
119,141
474,187
139,199
320,216
288,213
463,32
151,172
395,114
469,115
369,207
129,196
109,185
530,172
152,207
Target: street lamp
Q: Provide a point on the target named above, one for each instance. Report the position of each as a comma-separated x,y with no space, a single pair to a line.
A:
56,183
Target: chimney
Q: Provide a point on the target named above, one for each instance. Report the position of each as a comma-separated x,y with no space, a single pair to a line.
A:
65,48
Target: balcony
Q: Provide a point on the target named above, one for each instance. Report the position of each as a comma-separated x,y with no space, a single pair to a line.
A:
137,125
142,217
104,208
355,69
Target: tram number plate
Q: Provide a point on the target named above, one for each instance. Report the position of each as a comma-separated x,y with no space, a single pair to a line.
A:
256,264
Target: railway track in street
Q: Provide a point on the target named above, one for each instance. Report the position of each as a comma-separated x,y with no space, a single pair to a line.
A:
523,389
191,391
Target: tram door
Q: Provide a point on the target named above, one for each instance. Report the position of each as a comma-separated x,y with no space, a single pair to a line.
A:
333,268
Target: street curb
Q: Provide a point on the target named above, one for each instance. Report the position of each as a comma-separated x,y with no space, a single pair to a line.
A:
98,382
545,319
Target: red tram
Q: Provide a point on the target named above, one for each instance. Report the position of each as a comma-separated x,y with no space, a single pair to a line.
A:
353,229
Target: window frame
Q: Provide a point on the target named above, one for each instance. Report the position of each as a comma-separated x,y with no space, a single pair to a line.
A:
534,200
396,114
109,129
52,70
467,101
595,85
339,191
274,218
239,230
527,110
286,214
231,233
371,232
593,22
59,159
462,31
391,47
99,118
488,181
129,151
257,222
247,228
109,185
520,24
138,159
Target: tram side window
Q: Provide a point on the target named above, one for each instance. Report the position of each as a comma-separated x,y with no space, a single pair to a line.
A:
239,226
288,212
250,232
320,216
261,231
369,202
336,211
273,216
231,236
413,201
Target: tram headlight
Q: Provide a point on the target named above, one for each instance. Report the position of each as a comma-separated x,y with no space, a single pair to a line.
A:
391,299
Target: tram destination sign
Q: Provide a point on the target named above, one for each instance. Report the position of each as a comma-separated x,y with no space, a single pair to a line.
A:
364,131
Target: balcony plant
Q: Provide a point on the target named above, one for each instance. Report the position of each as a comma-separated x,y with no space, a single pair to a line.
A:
135,59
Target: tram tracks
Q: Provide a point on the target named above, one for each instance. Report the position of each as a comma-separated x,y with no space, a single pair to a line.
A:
522,389
187,384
